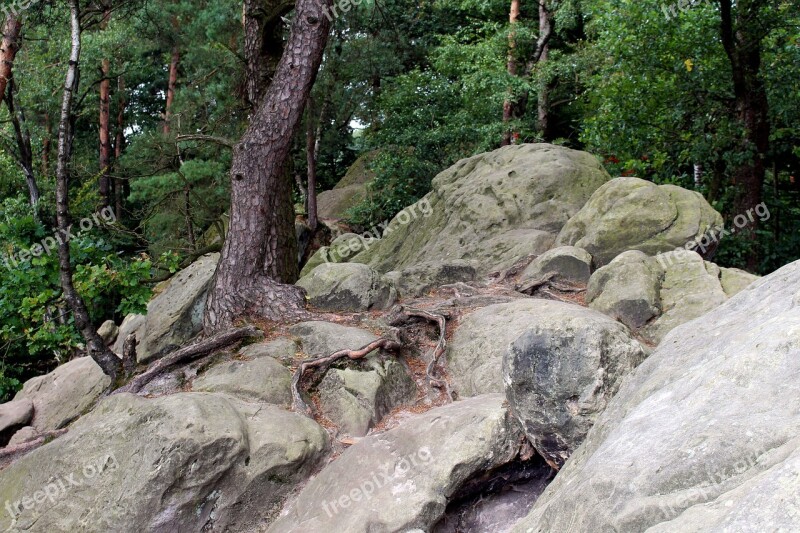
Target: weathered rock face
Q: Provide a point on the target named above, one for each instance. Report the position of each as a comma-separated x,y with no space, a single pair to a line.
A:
341,250
565,263
703,436
186,462
419,279
263,379
633,214
350,190
108,331
176,315
561,372
401,480
656,294
130,324
282,349
355,399
347,287
494,208
13,416
64,394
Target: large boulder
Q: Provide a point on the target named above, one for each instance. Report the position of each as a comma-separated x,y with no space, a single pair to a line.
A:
175,315
263,379
64,394
494,208
703,436
347,287
350,190
633,214
13,416
654,295
185,462
358,396
401,480
564,264
561,372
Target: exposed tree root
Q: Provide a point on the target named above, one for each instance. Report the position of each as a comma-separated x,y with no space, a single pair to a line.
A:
11,453
399,315
326,360
203,347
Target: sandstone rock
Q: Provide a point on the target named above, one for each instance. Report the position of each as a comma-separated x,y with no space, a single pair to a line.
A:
14,415
633,214
263,379
108,331
735,281
355,398
703,436
175,316
561,372
282,349
419,279
628,289
185,462
350,190
131,324
64,394
26,434
494,208
341,250
347,287
565,263
401,480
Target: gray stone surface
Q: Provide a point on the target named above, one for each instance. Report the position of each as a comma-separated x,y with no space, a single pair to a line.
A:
185,462
26,434
283,349
319,338
633,214
419,279
108,331
628,289
14,415
130,324
175,315
400,480
735,281
562,370
347,287
64,394
494,208
565,263
350,190
263,379
703,436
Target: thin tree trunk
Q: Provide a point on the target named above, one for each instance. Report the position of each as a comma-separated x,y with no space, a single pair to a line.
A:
541,55
95,346
741,39
508,105
8,50
187,204
312,145
46,145
171,85
260,251
105,134
119,144
23,137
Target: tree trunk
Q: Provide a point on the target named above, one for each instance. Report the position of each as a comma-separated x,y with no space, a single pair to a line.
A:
260,251
46,145
171,85
543,53
119,144
312,145
742,40
95,346
263,43
25,156
8,50
105,134
508,105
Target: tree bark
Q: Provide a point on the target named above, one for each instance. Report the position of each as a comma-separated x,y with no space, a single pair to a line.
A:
95,346
260,251
511,66
263,43
8,50
119,144
105,134
312,145
541,55
171,86
742,39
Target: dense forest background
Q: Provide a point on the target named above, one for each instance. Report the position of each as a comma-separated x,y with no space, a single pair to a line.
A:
662,91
